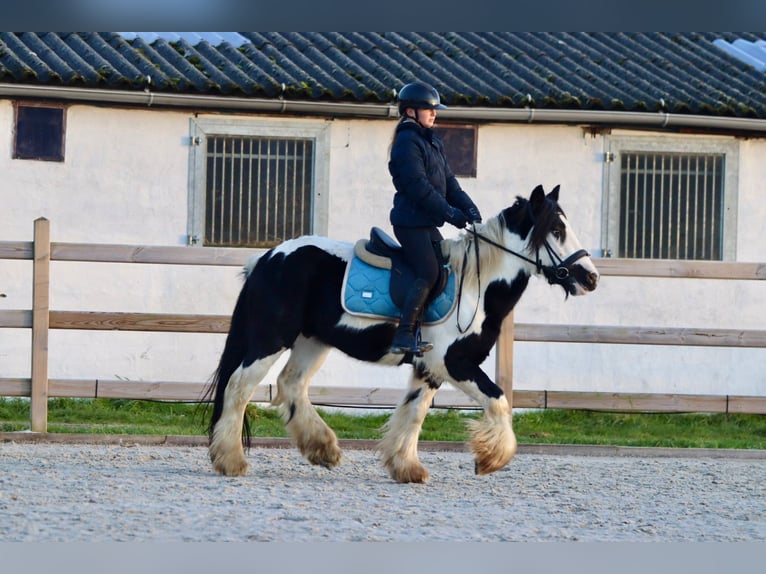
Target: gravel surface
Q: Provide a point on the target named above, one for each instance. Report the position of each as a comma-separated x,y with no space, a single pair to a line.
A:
82,492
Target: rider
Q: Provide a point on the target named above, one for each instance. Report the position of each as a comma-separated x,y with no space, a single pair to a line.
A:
427,195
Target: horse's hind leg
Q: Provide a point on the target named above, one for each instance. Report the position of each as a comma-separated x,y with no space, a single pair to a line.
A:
225,450
311,435
399,445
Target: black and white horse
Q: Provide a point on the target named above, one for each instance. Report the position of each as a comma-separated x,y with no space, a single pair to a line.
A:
291,299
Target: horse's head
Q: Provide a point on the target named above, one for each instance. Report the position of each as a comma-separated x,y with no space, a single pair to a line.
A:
553,244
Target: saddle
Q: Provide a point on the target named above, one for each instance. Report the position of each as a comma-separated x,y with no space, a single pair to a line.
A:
377,279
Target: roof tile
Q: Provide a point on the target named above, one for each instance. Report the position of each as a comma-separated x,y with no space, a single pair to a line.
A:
678,72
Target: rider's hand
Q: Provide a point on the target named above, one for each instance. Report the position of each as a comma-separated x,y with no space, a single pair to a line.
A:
457,218
473,215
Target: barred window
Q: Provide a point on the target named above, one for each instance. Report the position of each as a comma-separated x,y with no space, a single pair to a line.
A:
258,191
256,184
673,203
671,206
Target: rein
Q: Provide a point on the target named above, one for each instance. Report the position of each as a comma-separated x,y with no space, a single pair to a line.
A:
555,274
462,278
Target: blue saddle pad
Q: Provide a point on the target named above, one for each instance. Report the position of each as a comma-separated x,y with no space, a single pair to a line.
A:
366,292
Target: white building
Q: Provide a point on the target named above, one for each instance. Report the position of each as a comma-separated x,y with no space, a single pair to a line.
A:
135,167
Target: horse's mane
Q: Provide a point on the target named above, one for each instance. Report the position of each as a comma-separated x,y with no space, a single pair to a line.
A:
520,217
488,258
547,219
517,218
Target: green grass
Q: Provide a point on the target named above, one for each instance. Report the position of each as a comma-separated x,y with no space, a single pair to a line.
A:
111,416
631,429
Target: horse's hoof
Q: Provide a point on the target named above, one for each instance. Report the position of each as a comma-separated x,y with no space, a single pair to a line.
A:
232,469
414,473
489,466
328,462
479,469
414,476
326,456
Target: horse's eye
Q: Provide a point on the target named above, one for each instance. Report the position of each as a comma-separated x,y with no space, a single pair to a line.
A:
557,234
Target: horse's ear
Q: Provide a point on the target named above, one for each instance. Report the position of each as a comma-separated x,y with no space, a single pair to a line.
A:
554,194
537,199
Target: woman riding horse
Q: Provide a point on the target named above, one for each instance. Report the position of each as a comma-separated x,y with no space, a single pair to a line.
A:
427,195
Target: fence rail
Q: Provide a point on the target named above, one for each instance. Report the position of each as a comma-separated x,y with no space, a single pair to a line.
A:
40,319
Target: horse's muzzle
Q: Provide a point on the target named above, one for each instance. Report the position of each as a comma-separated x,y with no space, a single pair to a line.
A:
575,278
591,280
582,280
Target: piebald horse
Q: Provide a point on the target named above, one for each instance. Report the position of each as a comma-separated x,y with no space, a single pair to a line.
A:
291,300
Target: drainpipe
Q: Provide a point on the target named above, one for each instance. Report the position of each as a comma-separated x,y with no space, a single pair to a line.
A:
598,117
144,98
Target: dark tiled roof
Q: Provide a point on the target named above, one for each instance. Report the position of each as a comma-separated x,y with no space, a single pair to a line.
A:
677,72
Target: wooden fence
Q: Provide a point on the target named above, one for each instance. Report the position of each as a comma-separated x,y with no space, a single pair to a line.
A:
41,319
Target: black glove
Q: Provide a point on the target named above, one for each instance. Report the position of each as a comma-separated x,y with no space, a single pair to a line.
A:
473,215
457,218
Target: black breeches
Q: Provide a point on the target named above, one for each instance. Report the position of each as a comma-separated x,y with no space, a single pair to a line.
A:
420,244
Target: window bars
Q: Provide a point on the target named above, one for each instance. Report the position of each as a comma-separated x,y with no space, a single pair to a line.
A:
671,205
258,190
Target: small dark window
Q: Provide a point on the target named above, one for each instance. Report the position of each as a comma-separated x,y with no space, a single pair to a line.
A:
460,146
39,133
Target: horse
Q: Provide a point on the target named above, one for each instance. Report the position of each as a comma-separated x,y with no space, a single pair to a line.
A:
291,300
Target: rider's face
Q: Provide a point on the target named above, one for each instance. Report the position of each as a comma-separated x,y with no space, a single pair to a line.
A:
425,117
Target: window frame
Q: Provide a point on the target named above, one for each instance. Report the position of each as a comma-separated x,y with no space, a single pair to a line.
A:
617,144
17,105
202,127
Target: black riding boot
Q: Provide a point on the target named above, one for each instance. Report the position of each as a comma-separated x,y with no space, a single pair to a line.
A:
407,333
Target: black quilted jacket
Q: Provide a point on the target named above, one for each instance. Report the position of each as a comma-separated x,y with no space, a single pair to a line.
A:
425,185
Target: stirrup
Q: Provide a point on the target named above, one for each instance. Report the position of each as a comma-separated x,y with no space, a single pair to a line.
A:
403,349
423,346
413,345
417,349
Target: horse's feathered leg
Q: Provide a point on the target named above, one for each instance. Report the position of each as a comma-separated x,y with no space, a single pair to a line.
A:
399,445
226,451
311,435
492,441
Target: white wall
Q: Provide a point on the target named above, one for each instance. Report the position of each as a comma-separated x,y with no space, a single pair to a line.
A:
751,242
125,180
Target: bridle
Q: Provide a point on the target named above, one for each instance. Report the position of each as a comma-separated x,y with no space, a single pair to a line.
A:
557,274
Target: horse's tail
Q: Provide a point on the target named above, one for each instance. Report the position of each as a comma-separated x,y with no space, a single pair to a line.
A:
232,357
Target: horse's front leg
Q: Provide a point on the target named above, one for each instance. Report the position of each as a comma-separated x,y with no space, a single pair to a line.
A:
399,445
492,440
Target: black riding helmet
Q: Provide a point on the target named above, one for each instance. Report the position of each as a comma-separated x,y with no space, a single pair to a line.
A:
418,96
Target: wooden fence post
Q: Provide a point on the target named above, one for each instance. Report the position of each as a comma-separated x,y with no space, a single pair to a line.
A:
40,323
504,358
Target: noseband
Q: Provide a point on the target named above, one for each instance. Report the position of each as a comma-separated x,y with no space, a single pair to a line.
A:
558,274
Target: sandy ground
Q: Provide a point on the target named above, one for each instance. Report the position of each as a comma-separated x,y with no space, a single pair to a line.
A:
108,492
